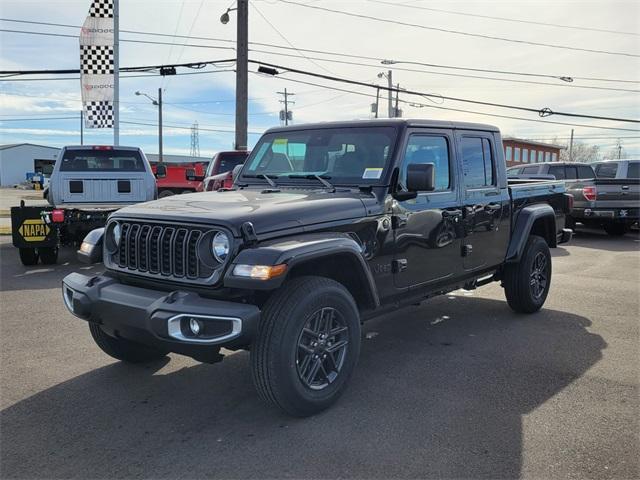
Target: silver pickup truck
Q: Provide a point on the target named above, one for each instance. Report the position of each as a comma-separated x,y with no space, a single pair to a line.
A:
612,199
87,184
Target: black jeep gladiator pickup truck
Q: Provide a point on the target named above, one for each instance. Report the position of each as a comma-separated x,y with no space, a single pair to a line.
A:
327,225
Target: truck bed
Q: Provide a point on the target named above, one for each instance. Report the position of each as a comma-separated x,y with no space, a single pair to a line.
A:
521,188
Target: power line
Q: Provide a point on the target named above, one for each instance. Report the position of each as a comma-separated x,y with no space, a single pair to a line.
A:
504,19
457,32
543,112
328,87
36,119
325,52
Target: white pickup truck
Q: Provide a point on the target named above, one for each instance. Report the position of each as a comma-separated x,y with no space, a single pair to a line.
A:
87,184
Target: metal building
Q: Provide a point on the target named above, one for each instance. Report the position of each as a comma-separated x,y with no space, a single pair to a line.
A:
18,159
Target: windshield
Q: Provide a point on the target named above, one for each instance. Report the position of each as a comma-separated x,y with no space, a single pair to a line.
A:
351,156
102,161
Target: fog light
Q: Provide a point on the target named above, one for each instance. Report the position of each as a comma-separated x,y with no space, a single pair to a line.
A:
195,326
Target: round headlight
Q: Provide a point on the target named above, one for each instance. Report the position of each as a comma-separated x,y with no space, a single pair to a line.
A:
116,231
220,246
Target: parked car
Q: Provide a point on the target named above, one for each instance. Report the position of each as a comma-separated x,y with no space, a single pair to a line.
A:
328,225
87,184
219,174
179,178
612,200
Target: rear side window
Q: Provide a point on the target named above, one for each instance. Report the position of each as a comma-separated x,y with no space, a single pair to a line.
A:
530,170
607,170
585,172
230,160
633,170
102,161
477,162
557,171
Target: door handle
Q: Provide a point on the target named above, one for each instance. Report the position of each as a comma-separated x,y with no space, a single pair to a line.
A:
451,213
492,207
625,187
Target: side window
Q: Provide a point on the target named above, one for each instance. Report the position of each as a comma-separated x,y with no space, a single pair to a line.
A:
571,173
477,162
585,172
607,170
530,170
633,170
428,149
557,171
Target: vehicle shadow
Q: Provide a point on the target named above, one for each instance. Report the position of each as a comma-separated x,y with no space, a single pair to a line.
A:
437,393
599,240
15,276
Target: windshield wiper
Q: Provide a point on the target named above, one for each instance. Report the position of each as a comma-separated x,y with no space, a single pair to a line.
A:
266,177
321,178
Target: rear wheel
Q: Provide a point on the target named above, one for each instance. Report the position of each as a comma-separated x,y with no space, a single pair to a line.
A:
615,229
166,193
526,283
28,256
307,345
122,349
49,255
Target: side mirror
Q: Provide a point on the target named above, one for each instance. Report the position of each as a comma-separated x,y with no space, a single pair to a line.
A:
91,247
161,171
236,171
421,177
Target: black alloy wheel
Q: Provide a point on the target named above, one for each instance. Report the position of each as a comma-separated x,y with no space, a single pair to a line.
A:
539,275
322,348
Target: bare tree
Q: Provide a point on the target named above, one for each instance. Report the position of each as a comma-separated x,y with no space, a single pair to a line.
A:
581,152
616,153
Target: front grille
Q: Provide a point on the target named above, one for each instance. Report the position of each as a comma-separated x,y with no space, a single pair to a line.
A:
164,251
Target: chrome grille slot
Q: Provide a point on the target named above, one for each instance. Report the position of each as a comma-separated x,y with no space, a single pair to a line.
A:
165,251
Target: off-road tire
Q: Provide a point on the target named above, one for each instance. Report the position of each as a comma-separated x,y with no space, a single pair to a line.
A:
122,349
274,352
517,277
48,255
615,229
28,256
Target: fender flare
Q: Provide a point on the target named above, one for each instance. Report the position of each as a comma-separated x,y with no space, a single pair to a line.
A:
523,226
295,251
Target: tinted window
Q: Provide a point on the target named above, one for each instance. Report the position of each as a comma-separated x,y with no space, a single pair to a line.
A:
477,162
571,173
607,170
530,170
428,149
585,171
557,171
112,160
633,171
345,155
229,161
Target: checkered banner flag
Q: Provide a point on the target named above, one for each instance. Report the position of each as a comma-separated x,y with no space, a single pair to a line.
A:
97,65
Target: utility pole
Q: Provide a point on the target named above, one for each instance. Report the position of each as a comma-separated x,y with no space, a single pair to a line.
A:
81,127
377,101
116,73
159,125
242,66
395,110
390,82
571,147
619,150
286,102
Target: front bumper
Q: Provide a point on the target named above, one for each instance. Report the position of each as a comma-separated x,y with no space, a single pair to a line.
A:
160,319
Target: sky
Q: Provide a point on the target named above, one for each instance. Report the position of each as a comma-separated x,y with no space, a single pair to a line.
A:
47,112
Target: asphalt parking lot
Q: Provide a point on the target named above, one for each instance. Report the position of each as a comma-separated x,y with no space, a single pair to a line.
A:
459,387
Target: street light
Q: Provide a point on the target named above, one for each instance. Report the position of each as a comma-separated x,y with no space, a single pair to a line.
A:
242,70
157,103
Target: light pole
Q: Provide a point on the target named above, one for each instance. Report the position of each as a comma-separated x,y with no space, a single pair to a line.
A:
157,103
242,70
389,77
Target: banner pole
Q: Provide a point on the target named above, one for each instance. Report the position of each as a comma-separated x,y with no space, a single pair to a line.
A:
116,73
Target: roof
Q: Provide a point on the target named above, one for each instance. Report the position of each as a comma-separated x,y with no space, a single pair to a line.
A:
531,142
550,163
14,145
389,122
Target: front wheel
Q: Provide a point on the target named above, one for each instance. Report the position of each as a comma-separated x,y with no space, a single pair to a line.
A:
122,349
307,345
526,283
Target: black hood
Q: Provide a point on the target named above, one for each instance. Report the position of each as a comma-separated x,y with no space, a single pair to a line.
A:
268,212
